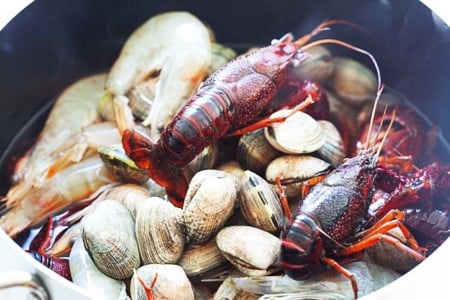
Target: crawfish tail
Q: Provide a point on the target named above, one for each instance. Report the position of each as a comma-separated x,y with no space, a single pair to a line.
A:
200,122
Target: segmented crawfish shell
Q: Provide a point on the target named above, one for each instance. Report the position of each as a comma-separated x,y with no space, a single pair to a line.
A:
118,163
209,202
333,151
254,152
252,251
293,170
259,204
220,55
353,82
318,66
204,160
171,282
299,133
108,236
199,260
159,231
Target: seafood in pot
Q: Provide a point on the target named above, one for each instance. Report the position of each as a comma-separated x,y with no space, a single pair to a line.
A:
174,48
227,101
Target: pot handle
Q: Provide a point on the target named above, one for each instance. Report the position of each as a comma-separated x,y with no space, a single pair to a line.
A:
24,279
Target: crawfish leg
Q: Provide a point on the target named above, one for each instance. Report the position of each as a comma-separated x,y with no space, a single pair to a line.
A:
346,273
269,121
148,288
283,200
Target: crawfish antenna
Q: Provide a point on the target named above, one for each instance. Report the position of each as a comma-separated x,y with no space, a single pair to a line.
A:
374,109
386,134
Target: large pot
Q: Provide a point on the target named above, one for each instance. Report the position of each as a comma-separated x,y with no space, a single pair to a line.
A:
52,43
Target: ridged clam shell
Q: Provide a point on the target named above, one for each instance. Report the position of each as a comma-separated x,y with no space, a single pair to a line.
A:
234,169
333,151
159,232
353,82
259,203
204,160
318,66
208,204
254,152
252,251
198,260
293,170
108,236
171,282
299,133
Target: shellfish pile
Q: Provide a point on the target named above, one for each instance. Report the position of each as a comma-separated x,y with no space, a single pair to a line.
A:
131,242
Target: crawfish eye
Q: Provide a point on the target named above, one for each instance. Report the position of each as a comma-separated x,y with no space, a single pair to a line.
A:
289,48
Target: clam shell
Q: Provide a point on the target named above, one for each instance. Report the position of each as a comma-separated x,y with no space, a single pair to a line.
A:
259,203
171,282
159,232
318,66
108,236
333,151
299,133
234,169
118,163
208,204
198,260
252,251
293,170
353,82
254,152
220,55
204,160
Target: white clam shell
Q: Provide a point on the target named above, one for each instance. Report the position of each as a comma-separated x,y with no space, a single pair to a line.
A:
108,236
208,204
252,251
171,282
299,133
333,151
159,231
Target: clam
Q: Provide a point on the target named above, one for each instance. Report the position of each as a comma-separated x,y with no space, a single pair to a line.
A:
209,202
294,170
254,152
259,204
108,236
171,282
299,133
353,82
252,251
204,160
317,66
234,169
159,231
118,163
199,260
333,151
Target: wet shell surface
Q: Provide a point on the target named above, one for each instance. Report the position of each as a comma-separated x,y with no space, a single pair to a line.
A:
108,236
209,202
198,260
159,232
299,133
317,66
252,251
204,160
333,151
293,170
254,152
120,165
171,282
259,203
353,82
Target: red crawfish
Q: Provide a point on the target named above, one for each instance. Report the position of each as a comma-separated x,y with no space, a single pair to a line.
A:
326,225
229,100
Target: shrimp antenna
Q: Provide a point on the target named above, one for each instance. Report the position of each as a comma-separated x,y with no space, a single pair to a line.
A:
372,115
380,127
386,134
